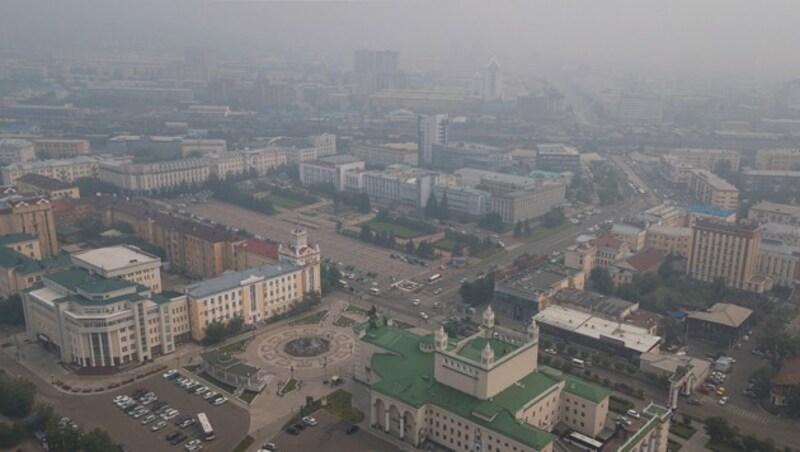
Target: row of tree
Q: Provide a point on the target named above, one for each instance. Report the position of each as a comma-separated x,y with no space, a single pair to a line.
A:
723,433
493,222
226,190
330,276
436,209
479,291
217,331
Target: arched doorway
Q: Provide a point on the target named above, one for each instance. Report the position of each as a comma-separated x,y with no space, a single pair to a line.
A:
379,414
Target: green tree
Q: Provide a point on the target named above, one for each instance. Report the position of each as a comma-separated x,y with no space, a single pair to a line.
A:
365,235
492,221
16,396
234,325
444,208
410,247
720,430
432,208
216,331
601,281
330,276
97,441
518,229
11,312
554,218
761,379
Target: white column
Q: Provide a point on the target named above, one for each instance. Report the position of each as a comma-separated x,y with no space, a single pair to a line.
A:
402,426
387,420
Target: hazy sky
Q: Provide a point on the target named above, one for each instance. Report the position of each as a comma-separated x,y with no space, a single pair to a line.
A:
719,36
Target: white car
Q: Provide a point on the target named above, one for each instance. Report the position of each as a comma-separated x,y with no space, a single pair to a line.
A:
169,414
416,302
423,316
220,401
310,421
148,419
623,420
119,399
723,400
170,373
200,390
209,395
634,414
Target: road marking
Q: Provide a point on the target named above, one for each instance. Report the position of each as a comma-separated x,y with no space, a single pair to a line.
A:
737,410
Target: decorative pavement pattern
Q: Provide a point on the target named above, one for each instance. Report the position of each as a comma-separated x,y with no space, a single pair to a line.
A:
271,350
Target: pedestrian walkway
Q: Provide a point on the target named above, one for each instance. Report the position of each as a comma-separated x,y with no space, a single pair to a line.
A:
752,413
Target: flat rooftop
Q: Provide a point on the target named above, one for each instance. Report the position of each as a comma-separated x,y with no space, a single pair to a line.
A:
598,328
114,257
594,302
723,314
472,349
230,279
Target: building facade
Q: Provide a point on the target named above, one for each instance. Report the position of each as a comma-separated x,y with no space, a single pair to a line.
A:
67,170
558,158
13,150
53,189
770,212
778,159
30,215
61,148
431,130
525,204
329,170
768,181
676,241
711,190
780,262
708,159
385,155
124,262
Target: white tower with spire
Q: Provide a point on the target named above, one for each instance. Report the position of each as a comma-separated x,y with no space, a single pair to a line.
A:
440,339
487,355
298,252
488,318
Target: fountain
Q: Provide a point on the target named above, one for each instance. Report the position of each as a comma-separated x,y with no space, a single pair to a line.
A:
307,346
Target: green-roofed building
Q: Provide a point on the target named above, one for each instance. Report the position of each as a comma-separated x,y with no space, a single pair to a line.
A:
90,320
18,270
484,392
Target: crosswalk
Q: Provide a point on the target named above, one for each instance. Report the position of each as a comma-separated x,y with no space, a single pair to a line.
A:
752,413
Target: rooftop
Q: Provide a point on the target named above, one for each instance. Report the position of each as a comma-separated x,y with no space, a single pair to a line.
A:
773,207
734,228
472,349
114,257
608,241
43,182
594,302
671,231
708,210
230,279
7,239
789,374
646,260
712,179
261,248
340,159
774,173
724,314
598,328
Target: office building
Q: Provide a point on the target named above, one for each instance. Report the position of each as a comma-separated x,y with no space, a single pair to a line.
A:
767,181
674,170
13,150
124,262
53,189
647,261
709,159
400,185
633,235
304,149
495,183
465,200
779,261
727,251
160,147
778,159
785,382
608,250
61,148
67,170
676,241
558,158
90,321
484,392
492,82
521,295
711,190
329,170
386,155
639,109
371,61
198,147
431,130
789,235
522,205
664,215
770,212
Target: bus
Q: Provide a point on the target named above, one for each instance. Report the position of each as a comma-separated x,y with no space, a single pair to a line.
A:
208,432
578,363
435,277
374,291
583,442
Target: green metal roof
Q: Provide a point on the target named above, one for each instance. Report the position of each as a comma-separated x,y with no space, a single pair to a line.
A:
24,264
472,350
165,297
578,387
7,239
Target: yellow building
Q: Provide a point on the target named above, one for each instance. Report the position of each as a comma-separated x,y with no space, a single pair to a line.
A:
711,190
34,216
57,148
54,189
778,159
669,240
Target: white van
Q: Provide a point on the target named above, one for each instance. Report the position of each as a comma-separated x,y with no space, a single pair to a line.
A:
578,363
374,291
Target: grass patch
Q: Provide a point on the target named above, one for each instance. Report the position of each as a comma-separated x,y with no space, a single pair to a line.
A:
445,245
235,347
192,368
682,430
312,319
344,322
403,325
618,405
244,444
288,387
248,396
340,404
673,446
541,232
490,253
224,386
286,203
403,232
720,447
356,310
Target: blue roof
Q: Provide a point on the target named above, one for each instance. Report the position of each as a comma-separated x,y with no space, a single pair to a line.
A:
678,315
709,210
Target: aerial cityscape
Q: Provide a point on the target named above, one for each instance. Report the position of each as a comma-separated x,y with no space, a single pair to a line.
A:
249,226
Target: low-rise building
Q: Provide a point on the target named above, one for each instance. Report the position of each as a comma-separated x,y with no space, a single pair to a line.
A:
53,189
633,235
124,262
665,215
163,147
386,155
88,320
674,170
465,200
558,158
197,147
18,271
723,323
254,253
669,240
399,185
785,382
14,150
495,183
771,212
789,235
329,170
595,303
60,148
647,261
67,170
30,215
698,212
770,181
711,190
304,149
522,295
609,250
778,159
22,243
580,256
709,159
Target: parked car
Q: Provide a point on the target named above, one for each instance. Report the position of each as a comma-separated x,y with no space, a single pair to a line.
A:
209,395
292,431
158,426
351,429
270,447
693,402
310,421
220,401
170,373
723,400
148,419
634,414
178,439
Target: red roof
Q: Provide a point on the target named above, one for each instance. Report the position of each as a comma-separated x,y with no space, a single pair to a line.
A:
646,260
60,205
260,248
789,375
608,242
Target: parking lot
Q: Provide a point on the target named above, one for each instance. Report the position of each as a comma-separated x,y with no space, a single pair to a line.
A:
329,435
366,257
230,422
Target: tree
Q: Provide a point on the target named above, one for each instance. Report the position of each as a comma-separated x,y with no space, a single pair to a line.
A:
410,247
492,221
671,330
432,208
444,208
11,312
518,228
97,441
16,396
554,218
235,325
601,281
216,331
330,276
365,235
458,249
761,380
720,430
718,287
363,204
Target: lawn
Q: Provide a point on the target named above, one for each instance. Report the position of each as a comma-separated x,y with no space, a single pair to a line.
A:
619,405
339,404
248,396
344,322
356,310
719,447
286,203
445,245
402,232
490,252
682,430
673,446
224,386
312,319
235,347
288,387
244,444
541,232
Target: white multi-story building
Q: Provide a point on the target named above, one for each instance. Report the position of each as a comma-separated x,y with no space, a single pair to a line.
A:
66,170
14,150
329,170
430,130
770,212
400,185
669,240
674,170
521,205
708,159
779,261
778,159
305,149
711,190
92,321
465,200
122,261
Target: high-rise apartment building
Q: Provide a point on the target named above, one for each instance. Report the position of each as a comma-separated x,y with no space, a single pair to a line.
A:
493,82
430,130
727,251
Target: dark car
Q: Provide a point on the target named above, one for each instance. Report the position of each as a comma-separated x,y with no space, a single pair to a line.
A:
123,448
693,402
300,426
352,429
172,435
292,431
178,439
